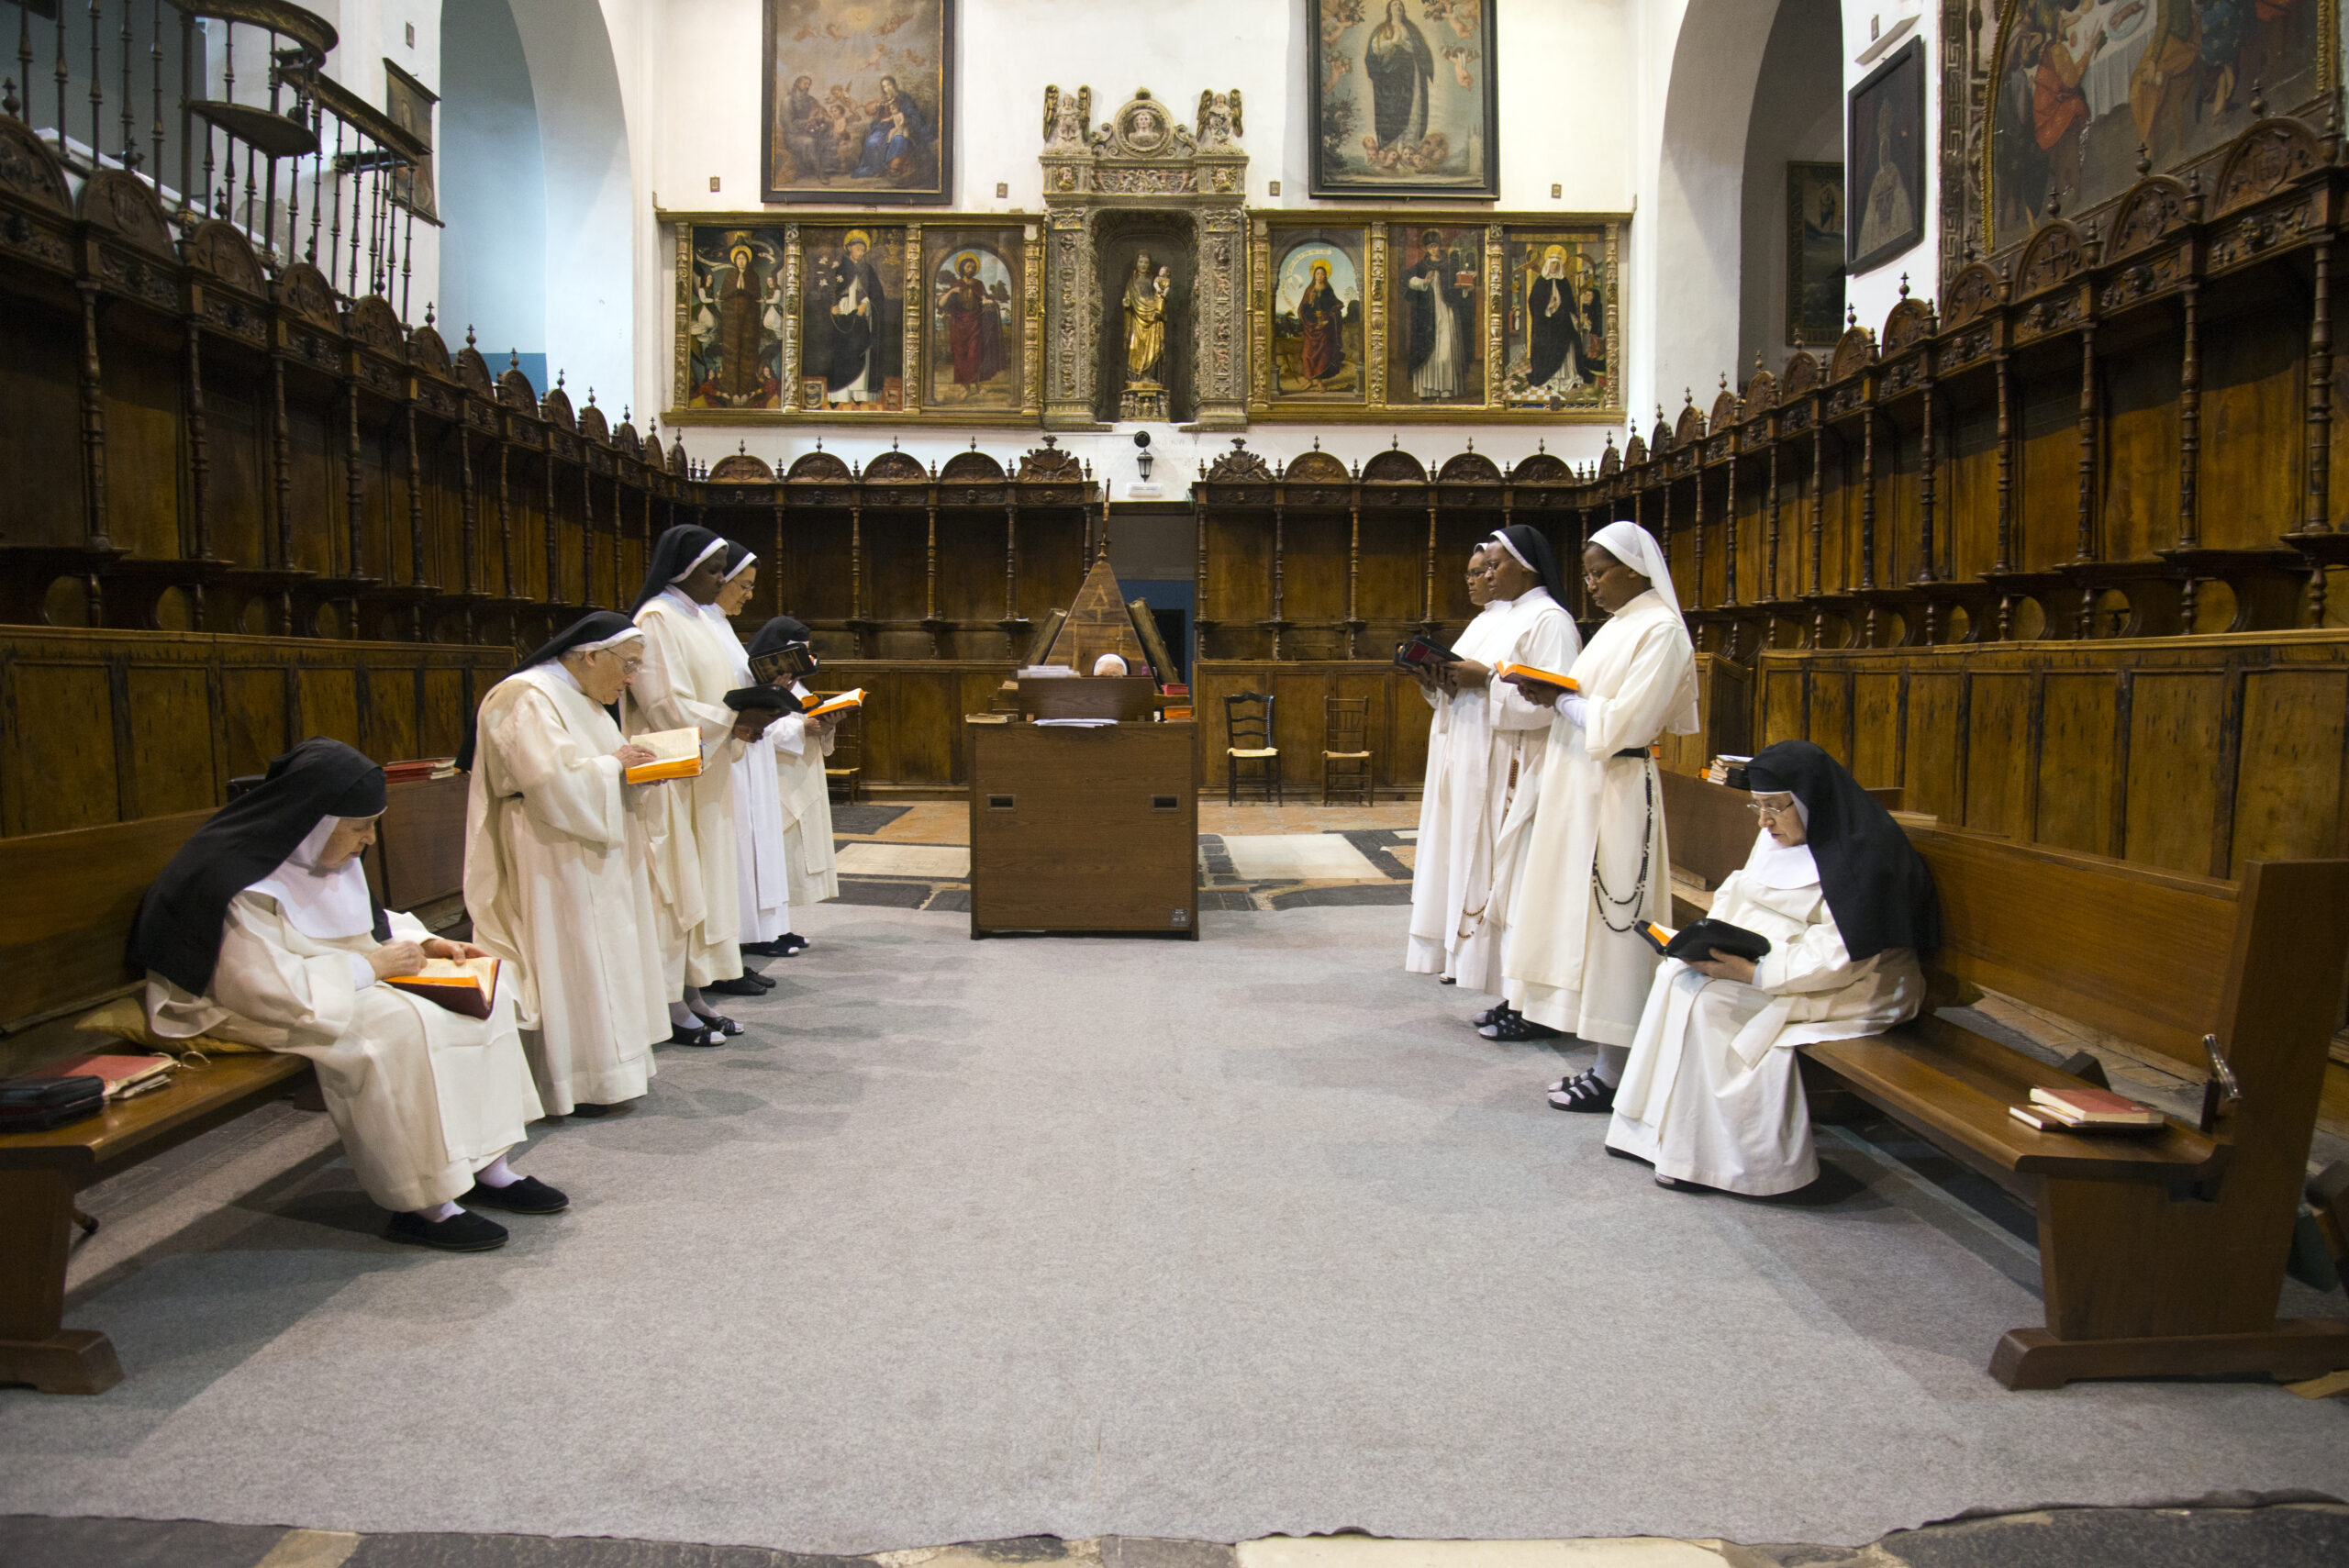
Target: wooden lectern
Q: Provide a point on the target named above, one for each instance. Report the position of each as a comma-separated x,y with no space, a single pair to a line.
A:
1085,830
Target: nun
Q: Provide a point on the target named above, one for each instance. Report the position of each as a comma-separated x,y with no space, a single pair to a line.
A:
555,876
1710,1097
801,745
262,930
763,888
1487,743
681,684
1595,861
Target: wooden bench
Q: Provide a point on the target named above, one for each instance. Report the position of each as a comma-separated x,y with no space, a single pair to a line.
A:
63,932
2158,1257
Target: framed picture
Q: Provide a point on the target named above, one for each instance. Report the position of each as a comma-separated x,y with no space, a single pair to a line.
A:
1401,98
1435,314
858,102
974,349
852,325
409,102
730,317
1315,309
1814,253
1560,330
1884,145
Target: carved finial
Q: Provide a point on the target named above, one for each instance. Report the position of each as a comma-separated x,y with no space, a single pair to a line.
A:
2144,161
1724,381
2258,101
469,335
1904,285
1610,440
1850,317
893,443
1541,443
974,443
1317,443
1759,366
558,380
653,425
2054,204
1472,444
8,96
1357,471
1050,440
820,443
513,359
744,447
428,313
627,414
591,397
1393,442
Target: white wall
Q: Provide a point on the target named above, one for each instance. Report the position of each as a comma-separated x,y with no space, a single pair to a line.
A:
1798,116
493,184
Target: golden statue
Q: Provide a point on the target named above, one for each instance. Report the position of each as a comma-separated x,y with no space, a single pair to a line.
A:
1145,307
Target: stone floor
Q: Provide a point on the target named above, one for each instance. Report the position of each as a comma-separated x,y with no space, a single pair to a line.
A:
2297,1534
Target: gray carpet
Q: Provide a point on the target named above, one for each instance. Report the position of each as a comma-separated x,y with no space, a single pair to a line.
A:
972,1240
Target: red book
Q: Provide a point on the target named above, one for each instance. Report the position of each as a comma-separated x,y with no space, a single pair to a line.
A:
2085,1106
123,1076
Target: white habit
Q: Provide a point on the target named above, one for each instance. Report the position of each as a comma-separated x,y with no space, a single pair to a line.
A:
1485,744
696,884
556,883
422,1096
806,799
1711,1094
763,883
1562,965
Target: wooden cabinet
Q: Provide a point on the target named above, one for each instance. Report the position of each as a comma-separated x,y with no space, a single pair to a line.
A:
1085,830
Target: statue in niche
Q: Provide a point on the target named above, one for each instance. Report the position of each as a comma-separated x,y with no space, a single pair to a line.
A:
1145,304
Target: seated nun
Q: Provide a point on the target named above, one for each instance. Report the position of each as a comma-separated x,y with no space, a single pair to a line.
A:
557,878
1711,1097
262,930
1109,664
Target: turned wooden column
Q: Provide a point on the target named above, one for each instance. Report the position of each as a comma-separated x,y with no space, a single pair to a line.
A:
282,475
2005,411
2318,518
1818,525
1353,569
199,461
1280,546
930,587
415,525
856,573
505,521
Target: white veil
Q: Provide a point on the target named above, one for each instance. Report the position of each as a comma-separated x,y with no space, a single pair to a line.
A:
1637,549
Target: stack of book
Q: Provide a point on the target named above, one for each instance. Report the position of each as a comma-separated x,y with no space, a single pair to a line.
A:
2087,1110
1728,770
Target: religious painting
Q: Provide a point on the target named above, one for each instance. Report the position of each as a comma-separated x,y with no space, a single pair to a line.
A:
2079,86
1558,333
976,282
1435,319
1316,307
1401,98
732,304
1814,253
852,332
859,101
409,102
1885,141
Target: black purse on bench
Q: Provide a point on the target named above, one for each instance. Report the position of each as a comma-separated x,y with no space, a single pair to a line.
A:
36,1104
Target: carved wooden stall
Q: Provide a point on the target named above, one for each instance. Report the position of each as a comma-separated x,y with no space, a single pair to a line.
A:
1308,576
925,587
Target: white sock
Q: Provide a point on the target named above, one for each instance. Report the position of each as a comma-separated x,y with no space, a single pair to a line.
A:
496,1174
1612,1060
439,1212
682,1017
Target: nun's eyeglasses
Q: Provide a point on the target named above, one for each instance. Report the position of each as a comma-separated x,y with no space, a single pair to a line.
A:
1772,809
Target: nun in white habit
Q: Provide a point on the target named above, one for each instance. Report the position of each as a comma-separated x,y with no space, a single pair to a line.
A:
800,753
1596,860
555,877
262,930
1711,1096
1486,746
764,881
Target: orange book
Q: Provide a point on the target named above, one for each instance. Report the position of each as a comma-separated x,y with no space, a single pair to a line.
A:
460,984
676,752
1535,672
839,703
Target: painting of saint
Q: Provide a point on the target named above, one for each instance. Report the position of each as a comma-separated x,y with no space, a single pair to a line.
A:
1814,253
1317,316
859,101
1886,140
734,355
849,347
1436,342
1402,96
1561,315
975,298
2078,85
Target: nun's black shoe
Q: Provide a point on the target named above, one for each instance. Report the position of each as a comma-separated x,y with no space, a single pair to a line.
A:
460,1232
1446,980
745,986
719,1023
591,1110
1490,1016
1586,1093
1515,1026
528,1195
760,981
789,944
701,1034
763,950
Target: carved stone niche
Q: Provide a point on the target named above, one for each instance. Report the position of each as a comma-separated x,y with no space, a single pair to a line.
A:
1145,181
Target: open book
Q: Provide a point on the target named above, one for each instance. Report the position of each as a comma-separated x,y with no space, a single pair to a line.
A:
1423,653
676,752
460,984
1704,938
839,703
1507,671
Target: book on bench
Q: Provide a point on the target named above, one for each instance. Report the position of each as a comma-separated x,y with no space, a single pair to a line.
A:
126,1077
676,754
460,984
2087,1110
1534,673
1423,653
1704,938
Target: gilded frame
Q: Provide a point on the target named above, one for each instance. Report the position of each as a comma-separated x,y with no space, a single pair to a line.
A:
1271,232
1333,106
824,55
917,349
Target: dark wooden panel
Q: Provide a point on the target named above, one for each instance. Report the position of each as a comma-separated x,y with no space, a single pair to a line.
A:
141,382
1929,779
40,437
2288,779
2076,762
1998,754
1875,730
2174,725
59,761
172,753
2254,444
328,698
75,895
253,711
1080,841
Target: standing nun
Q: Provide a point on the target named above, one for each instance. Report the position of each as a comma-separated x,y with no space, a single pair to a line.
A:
262,930
683,685
763,887
1711,1097
801,746
555,876
1595,861
1486,745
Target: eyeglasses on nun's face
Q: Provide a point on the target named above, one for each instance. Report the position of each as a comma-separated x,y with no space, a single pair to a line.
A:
1773,808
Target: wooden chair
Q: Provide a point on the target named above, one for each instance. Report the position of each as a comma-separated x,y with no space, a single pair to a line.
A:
1248,737
1345,750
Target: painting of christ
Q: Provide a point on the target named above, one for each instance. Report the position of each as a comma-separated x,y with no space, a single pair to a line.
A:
976,293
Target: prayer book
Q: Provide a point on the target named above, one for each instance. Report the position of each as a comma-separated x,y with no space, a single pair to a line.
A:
124,1077
1728,770
676,755
418,768
2092,1107
460,984
841,704
792,661
1421,653
1504,672
2046,1121
1704,938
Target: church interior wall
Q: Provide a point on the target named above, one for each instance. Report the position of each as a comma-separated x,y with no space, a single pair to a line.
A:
491,186
1798,116
1874,293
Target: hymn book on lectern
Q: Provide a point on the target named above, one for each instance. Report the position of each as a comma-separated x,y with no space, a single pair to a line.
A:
1701,939
676,754
460,984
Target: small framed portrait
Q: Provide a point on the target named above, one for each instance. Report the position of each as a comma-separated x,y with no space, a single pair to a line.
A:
1885,149
1814,253
852,332
1316,307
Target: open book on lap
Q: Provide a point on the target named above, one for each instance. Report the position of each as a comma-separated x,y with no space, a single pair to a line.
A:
1704,938
460,984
